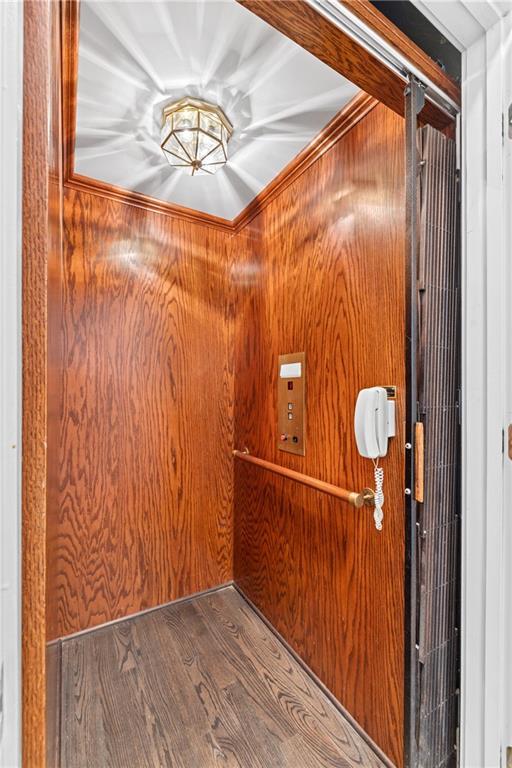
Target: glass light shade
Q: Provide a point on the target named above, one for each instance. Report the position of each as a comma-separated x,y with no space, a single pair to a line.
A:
195,136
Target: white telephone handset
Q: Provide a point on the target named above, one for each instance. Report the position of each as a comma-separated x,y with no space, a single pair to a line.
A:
374,422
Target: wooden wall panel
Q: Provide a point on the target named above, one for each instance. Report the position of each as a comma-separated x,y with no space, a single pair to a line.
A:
324,274
145,480
36,245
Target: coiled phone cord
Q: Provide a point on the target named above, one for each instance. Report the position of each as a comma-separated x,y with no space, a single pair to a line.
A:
378,514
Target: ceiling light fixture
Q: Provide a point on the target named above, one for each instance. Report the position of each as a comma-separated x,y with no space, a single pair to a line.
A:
195,136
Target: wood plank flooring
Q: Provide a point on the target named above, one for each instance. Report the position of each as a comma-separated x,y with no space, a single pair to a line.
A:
197,684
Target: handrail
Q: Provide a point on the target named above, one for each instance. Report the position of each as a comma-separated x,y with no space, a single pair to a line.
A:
366,496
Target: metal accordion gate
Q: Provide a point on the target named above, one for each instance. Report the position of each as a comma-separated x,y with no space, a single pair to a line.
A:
437,429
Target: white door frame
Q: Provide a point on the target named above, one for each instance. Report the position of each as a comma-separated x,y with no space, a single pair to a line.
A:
482,31
11,105
486,342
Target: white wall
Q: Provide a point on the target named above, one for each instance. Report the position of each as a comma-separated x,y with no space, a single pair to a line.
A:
507,516
10,375
486,343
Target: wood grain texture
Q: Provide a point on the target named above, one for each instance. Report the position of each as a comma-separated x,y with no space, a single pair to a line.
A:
324,274
305,26
145,507
413,53
201,683
35,244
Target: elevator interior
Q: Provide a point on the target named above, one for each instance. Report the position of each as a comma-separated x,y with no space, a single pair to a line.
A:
208,340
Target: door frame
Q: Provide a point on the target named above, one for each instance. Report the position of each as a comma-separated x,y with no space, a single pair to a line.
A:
486,325
11,72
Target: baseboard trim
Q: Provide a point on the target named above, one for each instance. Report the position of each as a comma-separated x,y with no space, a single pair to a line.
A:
131,616
341,709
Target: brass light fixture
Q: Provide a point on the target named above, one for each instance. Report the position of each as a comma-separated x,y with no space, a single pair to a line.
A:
195,136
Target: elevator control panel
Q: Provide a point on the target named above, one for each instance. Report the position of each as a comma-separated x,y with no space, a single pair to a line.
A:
291,390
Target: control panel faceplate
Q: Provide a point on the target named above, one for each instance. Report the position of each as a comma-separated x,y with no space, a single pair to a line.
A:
290,402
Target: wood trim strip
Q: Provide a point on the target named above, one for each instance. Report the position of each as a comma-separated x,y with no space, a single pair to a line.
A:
385,28
308,28
419,462
70,27
35,244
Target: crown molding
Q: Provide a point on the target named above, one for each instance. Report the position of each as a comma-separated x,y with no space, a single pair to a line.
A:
354,111
139,200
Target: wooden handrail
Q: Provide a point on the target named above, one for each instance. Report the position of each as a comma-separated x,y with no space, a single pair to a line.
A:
366,496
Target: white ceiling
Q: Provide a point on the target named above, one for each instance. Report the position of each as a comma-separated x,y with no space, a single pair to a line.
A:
134,57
